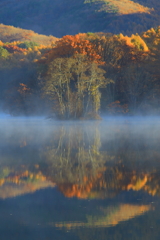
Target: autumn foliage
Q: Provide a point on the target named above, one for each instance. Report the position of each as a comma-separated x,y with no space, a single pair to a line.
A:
13,48
71,45
84,74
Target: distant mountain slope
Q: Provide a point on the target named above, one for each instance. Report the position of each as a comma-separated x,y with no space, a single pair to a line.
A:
61,17
122,7
10,34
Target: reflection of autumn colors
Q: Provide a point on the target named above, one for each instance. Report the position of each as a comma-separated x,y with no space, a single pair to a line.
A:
77,159
137,183
105,184
146,182
80,168
22,183
114,216
100,187
80,191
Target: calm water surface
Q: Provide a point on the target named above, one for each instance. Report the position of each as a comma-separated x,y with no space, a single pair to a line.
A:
92,180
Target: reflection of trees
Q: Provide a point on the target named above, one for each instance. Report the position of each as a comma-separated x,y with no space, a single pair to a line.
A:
14,183
73,154
83,159
80,166
74,161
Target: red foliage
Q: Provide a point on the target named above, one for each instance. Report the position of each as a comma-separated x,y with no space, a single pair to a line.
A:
117,108
14,48
71,45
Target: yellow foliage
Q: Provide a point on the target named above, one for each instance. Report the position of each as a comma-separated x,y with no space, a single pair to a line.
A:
2,181
35,48
135,41
1,43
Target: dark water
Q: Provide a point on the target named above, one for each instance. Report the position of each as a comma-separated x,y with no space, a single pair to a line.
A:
79,180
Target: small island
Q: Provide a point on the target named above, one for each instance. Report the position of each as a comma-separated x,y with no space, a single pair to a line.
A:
82,76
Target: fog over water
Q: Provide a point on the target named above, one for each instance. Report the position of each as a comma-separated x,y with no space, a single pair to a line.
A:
79,179
109,127
128,136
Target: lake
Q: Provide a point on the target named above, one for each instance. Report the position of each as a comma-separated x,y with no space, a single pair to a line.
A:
80,180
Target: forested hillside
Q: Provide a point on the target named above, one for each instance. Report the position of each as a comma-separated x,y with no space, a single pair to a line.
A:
60,17
82,76
11,34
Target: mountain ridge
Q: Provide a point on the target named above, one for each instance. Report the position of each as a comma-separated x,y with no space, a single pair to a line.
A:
10,34
60,18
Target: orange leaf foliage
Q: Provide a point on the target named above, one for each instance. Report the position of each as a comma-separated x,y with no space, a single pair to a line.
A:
12,48
70,45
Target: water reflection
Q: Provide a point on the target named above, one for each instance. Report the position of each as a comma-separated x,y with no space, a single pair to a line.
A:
111,216
104,167
85,160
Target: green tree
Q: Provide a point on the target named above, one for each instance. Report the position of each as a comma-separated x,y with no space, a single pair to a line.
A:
3,52
28,44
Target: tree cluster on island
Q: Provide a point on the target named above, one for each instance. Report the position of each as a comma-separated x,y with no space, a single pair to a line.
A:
81,76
